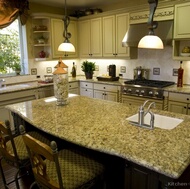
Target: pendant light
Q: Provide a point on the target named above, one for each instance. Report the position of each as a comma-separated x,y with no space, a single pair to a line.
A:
151,41
66,46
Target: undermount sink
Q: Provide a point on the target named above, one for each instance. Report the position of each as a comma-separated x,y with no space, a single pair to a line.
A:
160,121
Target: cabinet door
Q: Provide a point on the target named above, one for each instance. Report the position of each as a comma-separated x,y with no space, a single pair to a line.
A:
46,92
99,94
109,33
181,28
74,91
96,37
84,38
74,87
111,96
105,95
122,25
57,28
57,36
90,38
177,107
86,92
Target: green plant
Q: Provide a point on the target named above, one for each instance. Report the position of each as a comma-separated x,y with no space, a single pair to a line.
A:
88,66
16,66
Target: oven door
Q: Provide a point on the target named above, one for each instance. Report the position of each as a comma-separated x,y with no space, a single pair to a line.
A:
136,100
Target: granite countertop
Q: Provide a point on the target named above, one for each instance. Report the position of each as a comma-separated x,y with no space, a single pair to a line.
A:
102,126
185,89
35,84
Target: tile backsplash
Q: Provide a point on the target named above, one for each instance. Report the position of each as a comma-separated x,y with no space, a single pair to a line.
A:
147,58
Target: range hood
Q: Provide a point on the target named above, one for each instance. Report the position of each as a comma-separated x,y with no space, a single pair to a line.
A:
137,31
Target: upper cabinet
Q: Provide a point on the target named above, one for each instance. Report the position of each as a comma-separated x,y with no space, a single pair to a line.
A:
181,31
41,37
181,26
114,30
90,37
57,28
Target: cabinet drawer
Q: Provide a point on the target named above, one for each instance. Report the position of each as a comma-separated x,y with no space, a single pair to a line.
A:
86,85
179,97
19,96
103,87
73,85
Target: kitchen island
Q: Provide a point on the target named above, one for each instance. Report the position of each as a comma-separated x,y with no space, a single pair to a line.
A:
102,126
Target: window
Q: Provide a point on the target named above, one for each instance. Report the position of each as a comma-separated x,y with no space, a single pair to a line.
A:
11,49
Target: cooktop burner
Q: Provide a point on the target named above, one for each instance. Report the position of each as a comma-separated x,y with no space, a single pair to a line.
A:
150,83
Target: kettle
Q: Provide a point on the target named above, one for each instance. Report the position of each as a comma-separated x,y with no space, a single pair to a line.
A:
112,70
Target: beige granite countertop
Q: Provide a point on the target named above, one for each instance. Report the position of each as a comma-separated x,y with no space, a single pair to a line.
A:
35,84
102,126
185,89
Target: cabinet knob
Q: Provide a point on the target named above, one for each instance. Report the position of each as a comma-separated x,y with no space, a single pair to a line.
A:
86,90
187,98
185,107
104,87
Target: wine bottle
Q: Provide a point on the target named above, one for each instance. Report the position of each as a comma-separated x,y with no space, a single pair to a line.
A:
73,70
180,76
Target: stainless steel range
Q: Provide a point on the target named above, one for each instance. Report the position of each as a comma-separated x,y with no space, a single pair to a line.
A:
145,88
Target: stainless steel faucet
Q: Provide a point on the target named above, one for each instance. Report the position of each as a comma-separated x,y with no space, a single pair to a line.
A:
142,113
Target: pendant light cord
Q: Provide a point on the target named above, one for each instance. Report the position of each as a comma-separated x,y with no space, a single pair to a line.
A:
66,21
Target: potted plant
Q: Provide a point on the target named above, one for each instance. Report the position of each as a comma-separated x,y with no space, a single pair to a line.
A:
88,68
17,68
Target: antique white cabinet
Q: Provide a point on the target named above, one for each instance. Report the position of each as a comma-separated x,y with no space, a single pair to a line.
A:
114,30
90,37
74,87
57,28
106,92
181,31
14,97
86,89
138,101
181,26
179,103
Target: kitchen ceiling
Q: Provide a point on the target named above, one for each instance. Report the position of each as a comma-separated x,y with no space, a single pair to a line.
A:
78,4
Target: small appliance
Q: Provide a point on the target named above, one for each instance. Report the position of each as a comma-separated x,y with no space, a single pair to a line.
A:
112,70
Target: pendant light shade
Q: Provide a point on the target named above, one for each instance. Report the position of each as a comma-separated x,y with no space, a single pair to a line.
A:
66,46
151,42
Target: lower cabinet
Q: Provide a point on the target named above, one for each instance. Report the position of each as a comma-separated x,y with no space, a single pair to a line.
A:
106,92
179,103
45,91
86,89
74,87
130,100
14,97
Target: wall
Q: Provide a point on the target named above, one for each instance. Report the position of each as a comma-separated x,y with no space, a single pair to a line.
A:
148,59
